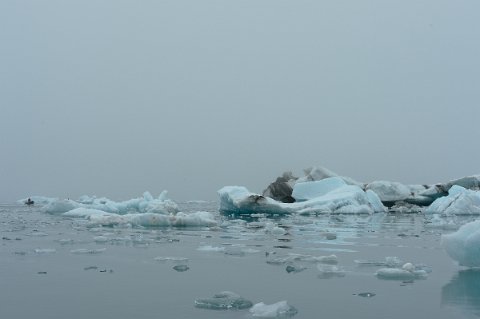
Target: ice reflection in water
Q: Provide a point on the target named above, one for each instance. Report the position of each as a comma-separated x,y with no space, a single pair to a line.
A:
463,291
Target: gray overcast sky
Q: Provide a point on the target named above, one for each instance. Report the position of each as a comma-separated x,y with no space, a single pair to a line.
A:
114,97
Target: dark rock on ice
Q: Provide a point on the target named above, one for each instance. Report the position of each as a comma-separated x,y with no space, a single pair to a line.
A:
281,190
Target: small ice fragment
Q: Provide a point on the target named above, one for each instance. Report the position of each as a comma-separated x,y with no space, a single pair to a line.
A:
330,271
45,250
88,251
100,239
172,259
280,309
223,301
90,268
366,294
394,274
407,272
210,248
181,268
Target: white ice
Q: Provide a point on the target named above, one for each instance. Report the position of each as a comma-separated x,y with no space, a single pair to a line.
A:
145,204
460,201
280,309
100,218
389,191
464,244
407,272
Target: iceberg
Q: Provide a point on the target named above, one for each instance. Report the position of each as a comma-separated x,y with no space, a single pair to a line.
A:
464,244
145,204
100,218
280,309
460,201
346,199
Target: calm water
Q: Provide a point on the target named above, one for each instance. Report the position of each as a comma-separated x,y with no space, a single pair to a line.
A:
54,267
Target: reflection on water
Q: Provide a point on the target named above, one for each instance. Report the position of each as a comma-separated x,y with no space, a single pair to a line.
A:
463,291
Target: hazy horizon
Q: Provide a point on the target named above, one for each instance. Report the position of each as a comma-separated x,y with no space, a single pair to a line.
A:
114,98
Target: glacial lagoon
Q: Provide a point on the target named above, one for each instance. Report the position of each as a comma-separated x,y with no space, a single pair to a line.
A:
325,266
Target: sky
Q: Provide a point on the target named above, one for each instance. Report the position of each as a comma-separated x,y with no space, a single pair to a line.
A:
116,97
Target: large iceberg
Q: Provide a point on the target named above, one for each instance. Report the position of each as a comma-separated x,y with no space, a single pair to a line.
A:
333,197
145,204
460,201
464,244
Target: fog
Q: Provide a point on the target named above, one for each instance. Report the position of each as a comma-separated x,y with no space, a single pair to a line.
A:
112,98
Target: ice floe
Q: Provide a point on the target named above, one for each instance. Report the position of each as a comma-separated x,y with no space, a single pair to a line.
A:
464,244
407,272
99,217
145,204
224,300
279,309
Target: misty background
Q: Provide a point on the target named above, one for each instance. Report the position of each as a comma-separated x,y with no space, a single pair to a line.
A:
115,97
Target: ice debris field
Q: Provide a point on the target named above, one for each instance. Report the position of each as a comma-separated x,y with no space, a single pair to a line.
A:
320,225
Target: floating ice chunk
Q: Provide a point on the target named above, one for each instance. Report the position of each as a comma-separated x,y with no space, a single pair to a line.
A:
407,272
101,239
99,217
210,248
223,301
85,251
280,309
145,204
464,244
390,262
45,250
330,259
460,201
330,271
172,259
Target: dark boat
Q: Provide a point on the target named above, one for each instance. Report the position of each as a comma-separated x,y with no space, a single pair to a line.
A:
29,202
